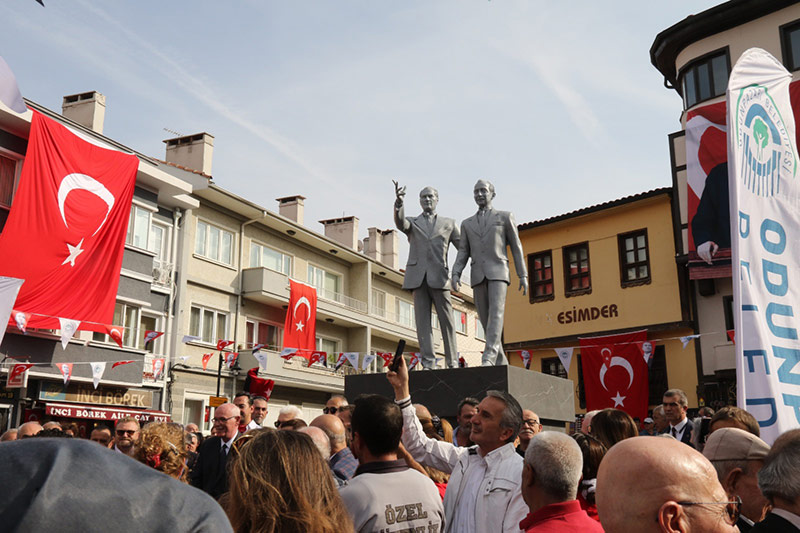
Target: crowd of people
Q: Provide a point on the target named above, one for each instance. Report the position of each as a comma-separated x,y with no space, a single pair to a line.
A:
388,465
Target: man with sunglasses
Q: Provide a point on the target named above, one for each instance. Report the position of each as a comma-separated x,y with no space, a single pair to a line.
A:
334,404
126,433
653,485
209,473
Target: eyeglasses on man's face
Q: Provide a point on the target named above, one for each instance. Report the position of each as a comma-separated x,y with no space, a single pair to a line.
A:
123,432
532,423
330,410
732,509
221,420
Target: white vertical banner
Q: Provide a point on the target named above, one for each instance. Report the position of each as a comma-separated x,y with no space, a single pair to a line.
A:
764,189
9,288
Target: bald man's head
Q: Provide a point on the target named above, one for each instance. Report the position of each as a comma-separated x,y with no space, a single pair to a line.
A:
320,439
641,480
334,428
29,429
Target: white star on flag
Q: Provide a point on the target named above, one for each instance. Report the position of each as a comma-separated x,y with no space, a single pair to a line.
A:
74,252
300,326
619,400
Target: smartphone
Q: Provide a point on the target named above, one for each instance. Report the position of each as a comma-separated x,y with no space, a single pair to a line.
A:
398,355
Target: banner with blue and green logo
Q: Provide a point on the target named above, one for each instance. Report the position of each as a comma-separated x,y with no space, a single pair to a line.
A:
765,236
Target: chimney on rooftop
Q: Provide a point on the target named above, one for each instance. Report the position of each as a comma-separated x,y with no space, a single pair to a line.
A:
373,244
390,255
342,230
87,109
191,151
291,207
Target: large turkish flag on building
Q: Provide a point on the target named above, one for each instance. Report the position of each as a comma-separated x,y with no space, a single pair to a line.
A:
615,373
301,319
65,234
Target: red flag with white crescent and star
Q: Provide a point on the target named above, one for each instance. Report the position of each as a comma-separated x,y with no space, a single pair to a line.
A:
615,374
387,358
206,358
301,319
67,226
115,332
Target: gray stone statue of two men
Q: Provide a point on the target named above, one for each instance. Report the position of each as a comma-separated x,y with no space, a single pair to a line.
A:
484,238
427,274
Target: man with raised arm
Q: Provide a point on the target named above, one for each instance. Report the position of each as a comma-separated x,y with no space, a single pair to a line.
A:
484,492
429,237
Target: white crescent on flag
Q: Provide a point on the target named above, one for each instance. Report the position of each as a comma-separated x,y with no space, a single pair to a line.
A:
75,182
616,361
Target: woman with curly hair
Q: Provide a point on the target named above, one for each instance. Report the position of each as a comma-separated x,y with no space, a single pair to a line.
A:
161,446
285,474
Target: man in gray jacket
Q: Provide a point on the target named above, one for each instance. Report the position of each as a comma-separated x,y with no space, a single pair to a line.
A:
484,492
429,237
484,238
385,494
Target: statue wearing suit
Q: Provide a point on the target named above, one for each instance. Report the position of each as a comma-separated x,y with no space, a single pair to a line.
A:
429,237
484,238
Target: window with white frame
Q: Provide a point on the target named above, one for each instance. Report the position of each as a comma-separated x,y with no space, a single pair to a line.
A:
208,324
138,227
328,284
479,333
213,243
264,256
264,333
404,311
127,316
378,302
460,318
330,347
150,323
159,240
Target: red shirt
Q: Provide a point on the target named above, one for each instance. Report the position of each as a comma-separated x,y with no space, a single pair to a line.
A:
560,517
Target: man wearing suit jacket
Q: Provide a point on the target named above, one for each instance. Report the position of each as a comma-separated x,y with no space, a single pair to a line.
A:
779,481
675,405
429,237
484,238
210,471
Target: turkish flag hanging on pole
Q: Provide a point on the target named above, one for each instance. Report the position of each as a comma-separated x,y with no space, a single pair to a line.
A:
615,373
301,319
65,234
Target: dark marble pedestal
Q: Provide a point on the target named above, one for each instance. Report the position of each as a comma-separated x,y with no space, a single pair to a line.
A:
552,398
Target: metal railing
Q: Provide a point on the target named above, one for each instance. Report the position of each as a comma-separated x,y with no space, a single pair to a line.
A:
162,273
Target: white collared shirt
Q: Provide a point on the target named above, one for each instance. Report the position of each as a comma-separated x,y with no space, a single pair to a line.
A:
252,425
786,515
679,428
228,444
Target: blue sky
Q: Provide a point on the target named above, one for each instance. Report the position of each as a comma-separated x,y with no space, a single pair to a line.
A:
555,102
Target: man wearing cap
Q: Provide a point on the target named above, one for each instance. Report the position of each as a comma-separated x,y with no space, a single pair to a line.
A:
648,428
738,456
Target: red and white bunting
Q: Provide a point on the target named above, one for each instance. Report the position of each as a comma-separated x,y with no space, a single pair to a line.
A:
158,367
415,359
21,319
206,358
262,360
151,335
339,361
288,353
387,358
120,363
16,373
115,332
230,359
66,372
317,357
222,344
526,358
68,329
98,369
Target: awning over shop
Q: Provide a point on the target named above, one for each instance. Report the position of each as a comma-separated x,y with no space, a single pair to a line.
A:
92,412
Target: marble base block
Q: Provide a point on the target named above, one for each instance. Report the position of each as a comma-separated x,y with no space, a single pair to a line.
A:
551,397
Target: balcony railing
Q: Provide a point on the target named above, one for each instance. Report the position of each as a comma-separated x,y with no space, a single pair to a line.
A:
347,301
162,273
